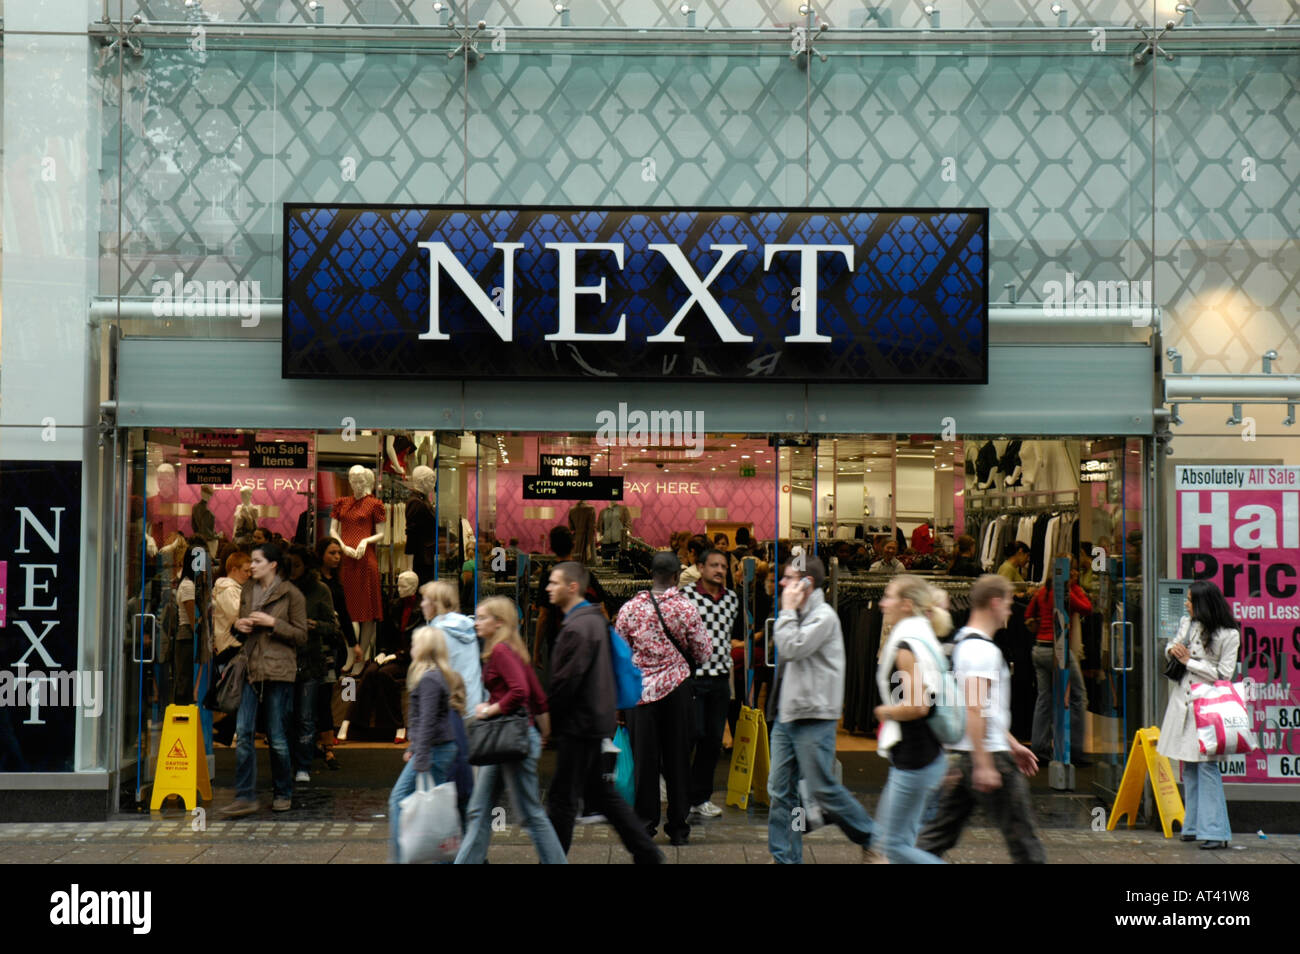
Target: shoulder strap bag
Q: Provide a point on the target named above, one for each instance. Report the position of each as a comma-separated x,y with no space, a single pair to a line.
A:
667,632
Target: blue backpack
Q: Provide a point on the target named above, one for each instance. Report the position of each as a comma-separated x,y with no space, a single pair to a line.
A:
627,678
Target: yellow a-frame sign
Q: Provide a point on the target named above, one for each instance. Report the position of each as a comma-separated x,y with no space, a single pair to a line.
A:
1144,758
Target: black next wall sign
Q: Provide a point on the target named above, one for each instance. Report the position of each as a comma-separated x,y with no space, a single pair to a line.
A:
41,687
466,292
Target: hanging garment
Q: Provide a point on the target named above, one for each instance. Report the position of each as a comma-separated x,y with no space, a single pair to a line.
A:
986,462
582,521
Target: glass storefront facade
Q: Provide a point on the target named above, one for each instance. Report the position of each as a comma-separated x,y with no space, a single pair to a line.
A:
146,166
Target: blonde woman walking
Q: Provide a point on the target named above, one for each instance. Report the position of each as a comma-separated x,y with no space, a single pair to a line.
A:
511,685
908,675
436,697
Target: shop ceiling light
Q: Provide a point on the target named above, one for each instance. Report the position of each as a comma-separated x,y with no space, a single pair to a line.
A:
932,12
1062,15
1190,16
563,11
446,13
1236,416
315,7
689,13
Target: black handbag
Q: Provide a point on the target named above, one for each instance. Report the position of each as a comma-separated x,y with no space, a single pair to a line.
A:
502,738
1175,669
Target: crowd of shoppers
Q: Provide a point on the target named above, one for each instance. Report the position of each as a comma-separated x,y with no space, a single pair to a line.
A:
276,607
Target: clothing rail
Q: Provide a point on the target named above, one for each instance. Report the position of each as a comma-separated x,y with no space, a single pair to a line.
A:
1005,502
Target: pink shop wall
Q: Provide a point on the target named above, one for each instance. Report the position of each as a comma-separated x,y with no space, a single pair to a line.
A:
668,504
279,495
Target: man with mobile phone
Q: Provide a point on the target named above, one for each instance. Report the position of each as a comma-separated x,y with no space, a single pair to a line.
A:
807,699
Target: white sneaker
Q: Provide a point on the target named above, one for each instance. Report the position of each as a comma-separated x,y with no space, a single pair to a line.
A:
707,809
302,777
590,820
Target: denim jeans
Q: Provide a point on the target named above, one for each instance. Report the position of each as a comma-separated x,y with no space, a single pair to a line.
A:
806,749
1045,668
277,697
1205,810
899,814
304,721
441,758
521,778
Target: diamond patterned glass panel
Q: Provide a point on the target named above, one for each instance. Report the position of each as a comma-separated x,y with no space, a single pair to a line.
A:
735,14
1228,209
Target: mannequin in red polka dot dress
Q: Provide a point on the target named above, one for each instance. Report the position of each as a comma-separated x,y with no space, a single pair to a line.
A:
357,522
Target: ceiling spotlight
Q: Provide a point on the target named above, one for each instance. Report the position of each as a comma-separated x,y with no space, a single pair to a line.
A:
1268,357
445,12
805,9
689,13
1189,14
563,11
315,6
932,12
1290,415
1062,17
1236,416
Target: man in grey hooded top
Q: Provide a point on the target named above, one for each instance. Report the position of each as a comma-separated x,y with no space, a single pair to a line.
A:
806,699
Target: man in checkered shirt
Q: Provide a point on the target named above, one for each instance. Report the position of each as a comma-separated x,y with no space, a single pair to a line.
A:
720,611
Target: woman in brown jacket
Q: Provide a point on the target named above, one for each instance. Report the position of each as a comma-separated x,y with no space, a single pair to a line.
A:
273,617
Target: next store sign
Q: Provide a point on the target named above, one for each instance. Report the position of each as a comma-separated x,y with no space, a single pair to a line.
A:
648,294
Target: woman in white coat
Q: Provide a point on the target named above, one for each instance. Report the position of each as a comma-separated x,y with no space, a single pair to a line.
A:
1207,643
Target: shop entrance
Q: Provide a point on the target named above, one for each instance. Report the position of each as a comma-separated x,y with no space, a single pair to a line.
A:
868,505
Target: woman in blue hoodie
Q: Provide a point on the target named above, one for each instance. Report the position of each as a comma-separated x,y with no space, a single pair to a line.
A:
440,603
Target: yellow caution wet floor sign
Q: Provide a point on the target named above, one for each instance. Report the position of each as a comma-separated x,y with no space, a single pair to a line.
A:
749,760
182,762
1143,759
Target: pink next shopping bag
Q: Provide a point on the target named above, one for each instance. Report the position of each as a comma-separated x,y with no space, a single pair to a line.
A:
1222,720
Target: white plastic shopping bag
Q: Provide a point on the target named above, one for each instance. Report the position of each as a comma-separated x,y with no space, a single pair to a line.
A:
1222,720
429,826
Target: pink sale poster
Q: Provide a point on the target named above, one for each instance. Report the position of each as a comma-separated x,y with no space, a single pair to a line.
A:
1239,526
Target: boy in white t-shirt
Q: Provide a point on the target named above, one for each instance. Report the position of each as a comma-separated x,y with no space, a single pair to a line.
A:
989,766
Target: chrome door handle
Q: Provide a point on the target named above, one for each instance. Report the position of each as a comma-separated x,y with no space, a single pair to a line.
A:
136,627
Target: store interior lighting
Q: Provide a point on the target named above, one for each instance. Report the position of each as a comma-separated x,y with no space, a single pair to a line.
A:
1062,15
689,13
932,12
563,11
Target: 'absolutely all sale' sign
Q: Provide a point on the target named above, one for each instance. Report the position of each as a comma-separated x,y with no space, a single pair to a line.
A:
1239,526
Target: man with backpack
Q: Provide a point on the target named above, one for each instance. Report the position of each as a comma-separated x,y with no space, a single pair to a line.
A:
583,714
989,766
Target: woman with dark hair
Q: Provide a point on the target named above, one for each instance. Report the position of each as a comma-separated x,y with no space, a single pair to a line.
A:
315,657
1207,643
273,619
329,554
346,649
